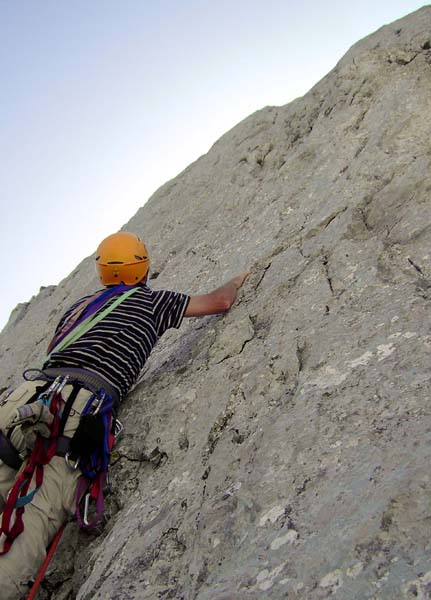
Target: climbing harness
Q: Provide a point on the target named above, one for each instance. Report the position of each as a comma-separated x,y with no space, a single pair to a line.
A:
89,450
44,419
20,495
86,379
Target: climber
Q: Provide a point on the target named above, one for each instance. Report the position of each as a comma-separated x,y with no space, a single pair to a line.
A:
56,429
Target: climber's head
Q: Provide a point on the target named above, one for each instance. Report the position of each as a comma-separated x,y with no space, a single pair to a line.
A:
122,258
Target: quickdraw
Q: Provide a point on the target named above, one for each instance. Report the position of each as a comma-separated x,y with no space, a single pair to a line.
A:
94,467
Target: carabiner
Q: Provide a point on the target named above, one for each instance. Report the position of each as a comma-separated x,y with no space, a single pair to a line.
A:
62,384
86,507
46,397
71,466
99,400
118,429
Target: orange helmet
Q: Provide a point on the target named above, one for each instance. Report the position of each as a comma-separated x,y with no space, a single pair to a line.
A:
122,258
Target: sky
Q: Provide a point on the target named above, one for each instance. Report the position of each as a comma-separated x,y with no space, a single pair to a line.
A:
104,101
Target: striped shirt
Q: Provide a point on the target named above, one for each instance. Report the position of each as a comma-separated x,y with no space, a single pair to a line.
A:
118,346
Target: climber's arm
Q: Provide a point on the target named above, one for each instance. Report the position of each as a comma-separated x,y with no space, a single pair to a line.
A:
217,301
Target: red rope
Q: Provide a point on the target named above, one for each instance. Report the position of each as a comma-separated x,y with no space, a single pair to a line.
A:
45,564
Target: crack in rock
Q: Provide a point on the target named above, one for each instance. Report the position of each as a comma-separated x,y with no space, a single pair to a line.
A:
231,341
325,264
415,266
222,422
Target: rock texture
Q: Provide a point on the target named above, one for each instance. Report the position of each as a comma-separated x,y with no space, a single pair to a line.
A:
283,450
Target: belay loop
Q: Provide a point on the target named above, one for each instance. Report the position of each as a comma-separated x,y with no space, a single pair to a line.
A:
20,495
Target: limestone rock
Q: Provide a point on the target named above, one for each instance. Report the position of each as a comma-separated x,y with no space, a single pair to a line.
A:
282,450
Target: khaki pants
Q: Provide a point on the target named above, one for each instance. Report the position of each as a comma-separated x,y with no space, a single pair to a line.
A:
50,506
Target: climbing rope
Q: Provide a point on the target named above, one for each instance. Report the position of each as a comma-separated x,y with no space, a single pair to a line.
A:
45,564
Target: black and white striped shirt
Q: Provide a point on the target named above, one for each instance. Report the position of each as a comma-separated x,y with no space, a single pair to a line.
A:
117,347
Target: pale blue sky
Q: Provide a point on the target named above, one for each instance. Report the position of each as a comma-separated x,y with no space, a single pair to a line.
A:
103,101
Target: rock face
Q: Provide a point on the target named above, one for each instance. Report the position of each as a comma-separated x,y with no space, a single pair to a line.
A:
282,450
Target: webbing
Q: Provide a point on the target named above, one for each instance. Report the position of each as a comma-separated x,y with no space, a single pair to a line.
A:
19,495
88,323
